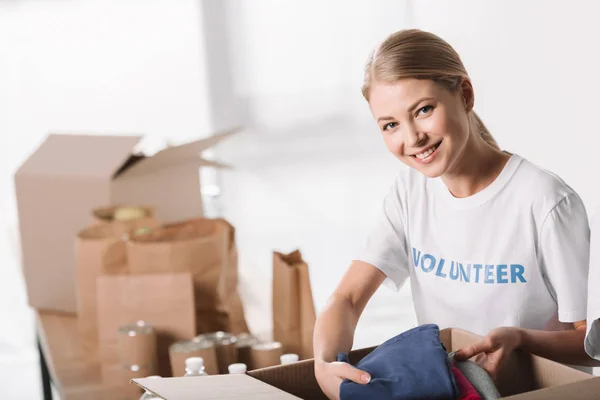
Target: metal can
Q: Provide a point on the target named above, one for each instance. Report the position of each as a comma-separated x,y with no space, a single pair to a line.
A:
266,354
225,347
137,345
244,343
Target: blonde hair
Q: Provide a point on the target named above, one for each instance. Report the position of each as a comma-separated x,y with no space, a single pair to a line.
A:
417,54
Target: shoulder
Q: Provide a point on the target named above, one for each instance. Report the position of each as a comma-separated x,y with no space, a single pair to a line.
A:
544,189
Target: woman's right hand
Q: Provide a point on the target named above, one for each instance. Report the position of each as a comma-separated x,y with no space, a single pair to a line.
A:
331,374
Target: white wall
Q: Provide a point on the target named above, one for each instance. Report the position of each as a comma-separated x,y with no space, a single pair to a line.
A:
303,60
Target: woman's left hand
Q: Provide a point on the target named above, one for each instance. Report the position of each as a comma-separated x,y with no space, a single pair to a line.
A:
491,352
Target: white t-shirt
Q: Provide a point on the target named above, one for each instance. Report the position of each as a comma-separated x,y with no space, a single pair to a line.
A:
592,338
513,254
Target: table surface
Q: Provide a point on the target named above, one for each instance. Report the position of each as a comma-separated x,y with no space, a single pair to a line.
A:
75,373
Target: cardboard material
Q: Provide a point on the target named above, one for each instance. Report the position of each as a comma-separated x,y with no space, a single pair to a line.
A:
69,175
206,248
293,307
525,377
166,301
214,387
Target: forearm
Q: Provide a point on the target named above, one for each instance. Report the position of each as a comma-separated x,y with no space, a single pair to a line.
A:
561,346
334,328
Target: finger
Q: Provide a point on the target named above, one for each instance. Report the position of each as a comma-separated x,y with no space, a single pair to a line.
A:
465,353
494,363
347,371
334,389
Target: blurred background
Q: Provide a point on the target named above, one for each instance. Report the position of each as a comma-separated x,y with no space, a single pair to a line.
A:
308,167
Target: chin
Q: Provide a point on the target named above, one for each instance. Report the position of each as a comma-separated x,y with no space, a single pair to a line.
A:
431,170
431,173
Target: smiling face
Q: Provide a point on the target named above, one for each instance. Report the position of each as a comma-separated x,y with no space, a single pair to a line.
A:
423,124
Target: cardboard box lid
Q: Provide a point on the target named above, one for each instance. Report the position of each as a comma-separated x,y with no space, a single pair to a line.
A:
213,387
107,156
187,153
88,155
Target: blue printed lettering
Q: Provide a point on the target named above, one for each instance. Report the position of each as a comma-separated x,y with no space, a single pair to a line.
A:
454,272
489,269
501,273
484,273
431,264
465,276
416,257
516,272
439,269
477,268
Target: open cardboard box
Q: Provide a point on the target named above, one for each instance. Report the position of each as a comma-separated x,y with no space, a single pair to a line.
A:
68,176
524,377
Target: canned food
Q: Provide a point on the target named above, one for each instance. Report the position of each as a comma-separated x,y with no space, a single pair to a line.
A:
225,346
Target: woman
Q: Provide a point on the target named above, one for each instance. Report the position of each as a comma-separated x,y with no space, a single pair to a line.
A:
492,243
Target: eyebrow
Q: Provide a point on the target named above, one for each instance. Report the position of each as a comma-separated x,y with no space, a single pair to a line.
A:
412,107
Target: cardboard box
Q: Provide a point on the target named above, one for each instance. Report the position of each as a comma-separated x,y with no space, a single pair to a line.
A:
68,176
524,377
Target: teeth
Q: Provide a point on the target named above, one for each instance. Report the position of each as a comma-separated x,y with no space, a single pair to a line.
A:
426,153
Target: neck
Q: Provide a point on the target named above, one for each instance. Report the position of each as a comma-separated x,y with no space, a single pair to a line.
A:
478,166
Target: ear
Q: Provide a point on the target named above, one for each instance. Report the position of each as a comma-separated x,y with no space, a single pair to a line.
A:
467,94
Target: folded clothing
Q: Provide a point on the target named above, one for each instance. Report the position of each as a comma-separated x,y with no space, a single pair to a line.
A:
478,377
467,391
411,366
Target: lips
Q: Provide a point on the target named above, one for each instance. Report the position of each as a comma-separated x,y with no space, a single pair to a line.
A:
427,152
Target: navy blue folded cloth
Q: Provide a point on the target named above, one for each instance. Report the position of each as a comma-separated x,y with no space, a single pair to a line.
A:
411,366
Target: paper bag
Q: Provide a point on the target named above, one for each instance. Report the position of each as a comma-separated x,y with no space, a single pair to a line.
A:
166,301
99,250
293,307
205,248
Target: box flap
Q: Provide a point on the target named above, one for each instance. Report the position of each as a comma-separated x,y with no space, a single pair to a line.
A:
212,387
582,390
188,153
80,155
297,378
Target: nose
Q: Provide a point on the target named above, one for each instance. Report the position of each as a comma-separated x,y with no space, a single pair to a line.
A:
413,137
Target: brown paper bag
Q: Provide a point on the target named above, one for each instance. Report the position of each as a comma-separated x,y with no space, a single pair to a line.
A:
293,307
206,248
166,301
99,250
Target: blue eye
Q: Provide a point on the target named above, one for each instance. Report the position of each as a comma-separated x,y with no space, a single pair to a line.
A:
389,126
425,110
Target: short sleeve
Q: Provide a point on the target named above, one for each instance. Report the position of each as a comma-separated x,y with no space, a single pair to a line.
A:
592,338
386,246
564,255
